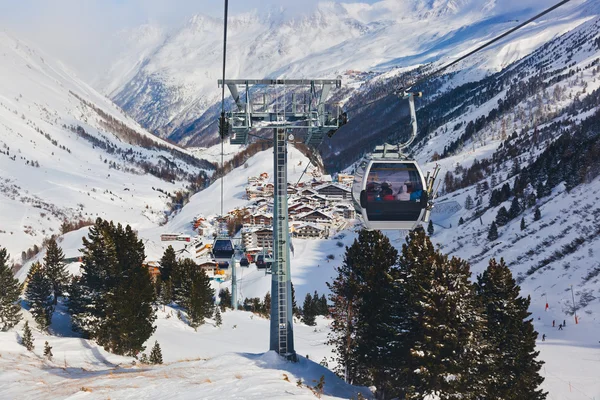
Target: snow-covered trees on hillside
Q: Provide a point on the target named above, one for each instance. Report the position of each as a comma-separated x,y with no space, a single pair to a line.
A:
10,310
55,270
39,295
192,291
510,331
112,300
415,326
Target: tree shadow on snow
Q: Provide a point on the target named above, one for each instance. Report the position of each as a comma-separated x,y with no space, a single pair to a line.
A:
310,373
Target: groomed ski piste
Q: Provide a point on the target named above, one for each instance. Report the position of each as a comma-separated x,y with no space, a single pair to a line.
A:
233,360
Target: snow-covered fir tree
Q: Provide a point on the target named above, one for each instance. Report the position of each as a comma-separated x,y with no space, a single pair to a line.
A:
510,331
27,337
10,289
225,299
38,294
156,354
112,301
309,311
56,270
48,351
493,232
447,351
218,318
168,263
192,291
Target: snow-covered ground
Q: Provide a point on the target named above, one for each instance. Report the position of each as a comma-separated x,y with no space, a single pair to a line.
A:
230,361
48,173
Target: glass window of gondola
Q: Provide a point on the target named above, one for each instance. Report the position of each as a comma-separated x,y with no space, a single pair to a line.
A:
223,247
393,192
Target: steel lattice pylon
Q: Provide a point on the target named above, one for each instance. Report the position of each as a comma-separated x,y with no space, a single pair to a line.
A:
312,116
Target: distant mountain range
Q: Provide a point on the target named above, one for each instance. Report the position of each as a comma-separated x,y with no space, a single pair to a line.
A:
166,79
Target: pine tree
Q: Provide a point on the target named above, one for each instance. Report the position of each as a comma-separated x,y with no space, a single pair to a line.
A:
376,322
10,289
502,217
537,214
56,270
493,182
324,308
267,305
509,330
515,208
295,310
516,167
362,310
225,299
446,352
156,354
523,226
168,263
129,304
461,221
345,297
308,310
430,229
87,301
38,295
112,302
48,351
192,291
493,232
218,318
469,202
166,291
27,339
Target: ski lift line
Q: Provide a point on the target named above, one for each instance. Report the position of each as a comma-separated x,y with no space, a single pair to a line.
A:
221,120
500,37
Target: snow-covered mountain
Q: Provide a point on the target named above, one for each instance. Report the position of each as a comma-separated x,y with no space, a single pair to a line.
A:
170,81
67,153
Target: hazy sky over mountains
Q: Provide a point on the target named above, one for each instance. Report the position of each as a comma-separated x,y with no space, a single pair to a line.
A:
69,29
81,33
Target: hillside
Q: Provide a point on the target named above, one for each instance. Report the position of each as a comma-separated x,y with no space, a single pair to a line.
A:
214,363
172,90
69,154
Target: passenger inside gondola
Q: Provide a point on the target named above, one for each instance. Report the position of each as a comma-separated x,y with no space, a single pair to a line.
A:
393,192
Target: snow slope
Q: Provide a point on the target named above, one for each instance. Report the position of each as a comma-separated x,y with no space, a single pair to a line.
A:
50,173
212,363
177,78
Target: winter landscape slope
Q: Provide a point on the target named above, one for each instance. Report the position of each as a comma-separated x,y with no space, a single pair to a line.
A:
68,153
176,79
514,115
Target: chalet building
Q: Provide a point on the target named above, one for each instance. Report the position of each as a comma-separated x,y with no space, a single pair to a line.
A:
269,188
334,191
253,237
307,192
319,200
153,269
314,217
309,231
262,219
291,189
299,208
209,266
264,238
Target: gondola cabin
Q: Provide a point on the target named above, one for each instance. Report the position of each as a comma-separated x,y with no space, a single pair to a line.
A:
390,194
222,248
